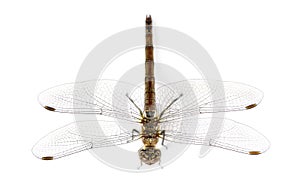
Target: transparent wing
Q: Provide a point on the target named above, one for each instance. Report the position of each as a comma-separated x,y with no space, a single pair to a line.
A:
103,97
205,96
217,132
80,136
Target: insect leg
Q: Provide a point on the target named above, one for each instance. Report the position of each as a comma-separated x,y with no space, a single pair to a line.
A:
141,112
162,113
163,133
135,131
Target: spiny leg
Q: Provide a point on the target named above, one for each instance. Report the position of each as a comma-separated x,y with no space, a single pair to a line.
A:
162,113
163,133
141,112
134,131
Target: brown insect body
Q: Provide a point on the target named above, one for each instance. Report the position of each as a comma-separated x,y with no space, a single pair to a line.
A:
150,134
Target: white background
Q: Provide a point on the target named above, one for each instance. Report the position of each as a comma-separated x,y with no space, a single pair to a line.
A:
44,43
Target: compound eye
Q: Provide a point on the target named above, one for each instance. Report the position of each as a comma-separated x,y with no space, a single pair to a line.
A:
149,155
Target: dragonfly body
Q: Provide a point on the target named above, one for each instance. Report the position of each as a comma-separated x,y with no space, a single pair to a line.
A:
150,133
158,119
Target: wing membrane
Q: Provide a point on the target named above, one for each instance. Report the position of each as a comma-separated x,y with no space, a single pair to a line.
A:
217,132
80,136
205,96
103,97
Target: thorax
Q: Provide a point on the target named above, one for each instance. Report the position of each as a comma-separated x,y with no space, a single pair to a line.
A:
150,132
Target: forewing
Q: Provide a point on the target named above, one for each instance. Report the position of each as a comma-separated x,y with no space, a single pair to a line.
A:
205,96
103,97
84,135
217,132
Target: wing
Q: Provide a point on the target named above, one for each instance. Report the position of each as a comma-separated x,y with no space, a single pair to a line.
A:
103,97
217,132
205,96
80,136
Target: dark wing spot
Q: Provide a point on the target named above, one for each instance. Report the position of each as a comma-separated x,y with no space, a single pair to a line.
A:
254,152
251,106
47,158
49,108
